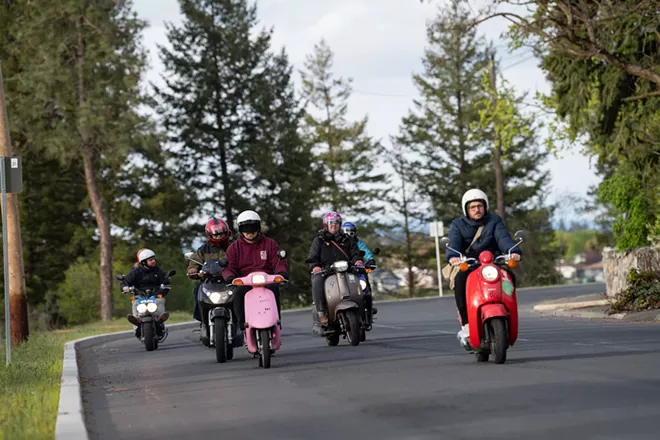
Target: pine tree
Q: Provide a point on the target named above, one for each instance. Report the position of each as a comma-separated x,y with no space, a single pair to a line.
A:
213,72
284,180
343,149
450,158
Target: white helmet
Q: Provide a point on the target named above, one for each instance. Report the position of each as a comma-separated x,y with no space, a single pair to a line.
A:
248,221
471,196
144,254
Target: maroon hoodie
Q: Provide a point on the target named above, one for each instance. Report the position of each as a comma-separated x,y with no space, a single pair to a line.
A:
262,255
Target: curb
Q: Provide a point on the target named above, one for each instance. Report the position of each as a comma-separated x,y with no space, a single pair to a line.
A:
70,424
585,314
570,305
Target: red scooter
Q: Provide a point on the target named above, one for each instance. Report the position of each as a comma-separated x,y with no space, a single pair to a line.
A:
492,306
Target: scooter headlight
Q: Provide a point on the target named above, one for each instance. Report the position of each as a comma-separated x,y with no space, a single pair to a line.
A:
142,308
218,297
258,279
341,266
152,307
489,273
363,284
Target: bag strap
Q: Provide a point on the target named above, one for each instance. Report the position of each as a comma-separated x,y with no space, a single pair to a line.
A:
342,251
476,237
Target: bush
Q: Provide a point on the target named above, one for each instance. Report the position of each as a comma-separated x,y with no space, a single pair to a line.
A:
642,294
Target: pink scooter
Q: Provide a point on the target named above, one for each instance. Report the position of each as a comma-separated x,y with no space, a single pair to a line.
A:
262,333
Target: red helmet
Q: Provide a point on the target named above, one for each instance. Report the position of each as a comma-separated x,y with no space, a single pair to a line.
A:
217,226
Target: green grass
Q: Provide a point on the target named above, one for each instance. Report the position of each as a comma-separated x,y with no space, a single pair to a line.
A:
30,386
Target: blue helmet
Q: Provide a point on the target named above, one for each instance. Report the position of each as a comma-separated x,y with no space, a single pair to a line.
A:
349,229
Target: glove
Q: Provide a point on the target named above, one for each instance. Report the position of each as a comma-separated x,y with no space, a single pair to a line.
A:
371,262
230,280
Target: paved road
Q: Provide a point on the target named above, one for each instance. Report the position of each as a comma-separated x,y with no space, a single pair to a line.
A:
564,379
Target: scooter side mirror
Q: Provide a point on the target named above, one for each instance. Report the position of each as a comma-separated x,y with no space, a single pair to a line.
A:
171,273
189,255
120,277
520,235
282,253
444,242
376,251
223,262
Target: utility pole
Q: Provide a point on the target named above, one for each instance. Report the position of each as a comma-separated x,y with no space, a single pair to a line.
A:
497,149
14,243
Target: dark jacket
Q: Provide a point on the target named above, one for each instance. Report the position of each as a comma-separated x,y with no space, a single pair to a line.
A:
494,237
260,256
323,252
142,278
207,251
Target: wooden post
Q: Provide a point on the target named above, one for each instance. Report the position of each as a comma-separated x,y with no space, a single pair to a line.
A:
17,296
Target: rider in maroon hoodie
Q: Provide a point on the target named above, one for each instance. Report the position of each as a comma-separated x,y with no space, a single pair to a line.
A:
251,252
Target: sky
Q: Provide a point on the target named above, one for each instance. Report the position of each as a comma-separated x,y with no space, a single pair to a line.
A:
380,45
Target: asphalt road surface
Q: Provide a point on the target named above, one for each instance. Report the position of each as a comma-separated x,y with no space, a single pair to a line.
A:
564,378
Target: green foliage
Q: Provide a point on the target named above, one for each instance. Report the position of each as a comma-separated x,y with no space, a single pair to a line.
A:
643,293
343,150
500,114
633,211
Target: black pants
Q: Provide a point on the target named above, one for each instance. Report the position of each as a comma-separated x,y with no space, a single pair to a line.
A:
318,293
460,287
197,314
239,301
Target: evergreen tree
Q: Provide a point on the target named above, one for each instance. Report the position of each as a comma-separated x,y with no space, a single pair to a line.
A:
343,149
450,159
284,178
213,74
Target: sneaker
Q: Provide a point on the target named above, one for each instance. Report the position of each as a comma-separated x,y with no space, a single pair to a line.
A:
323,319
138,331
464,335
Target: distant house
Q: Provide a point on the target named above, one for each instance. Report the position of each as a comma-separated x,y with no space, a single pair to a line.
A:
384,280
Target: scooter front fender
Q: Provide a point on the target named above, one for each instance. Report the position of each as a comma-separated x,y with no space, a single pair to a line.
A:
260,308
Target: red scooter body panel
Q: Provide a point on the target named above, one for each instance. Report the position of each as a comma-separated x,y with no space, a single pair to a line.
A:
487,300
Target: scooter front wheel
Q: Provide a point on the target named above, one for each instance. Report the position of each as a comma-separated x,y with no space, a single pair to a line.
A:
353,331
499,340
220,328
264,359
148,335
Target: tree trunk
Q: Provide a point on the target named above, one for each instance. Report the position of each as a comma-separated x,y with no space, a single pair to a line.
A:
497,149
103,223
98,205
18,309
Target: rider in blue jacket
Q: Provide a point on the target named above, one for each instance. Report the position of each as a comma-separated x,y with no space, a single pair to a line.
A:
350,229
494,237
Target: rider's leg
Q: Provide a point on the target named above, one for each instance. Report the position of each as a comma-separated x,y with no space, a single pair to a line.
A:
318,294
197,314
132,318
460,297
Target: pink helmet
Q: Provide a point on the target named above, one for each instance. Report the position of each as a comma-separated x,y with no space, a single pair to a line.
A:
331,217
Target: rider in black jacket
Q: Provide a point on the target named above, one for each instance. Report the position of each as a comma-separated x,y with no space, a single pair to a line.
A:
146,274
329,246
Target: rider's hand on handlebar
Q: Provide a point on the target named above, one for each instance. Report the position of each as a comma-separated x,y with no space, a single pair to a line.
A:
359,263
515,257
316,269
454,261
